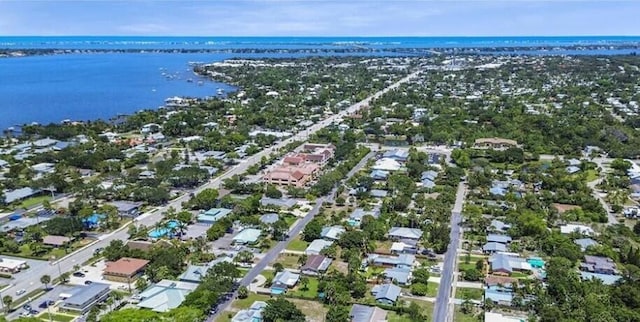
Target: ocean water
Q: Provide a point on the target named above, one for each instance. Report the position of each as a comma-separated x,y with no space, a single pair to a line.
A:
53,88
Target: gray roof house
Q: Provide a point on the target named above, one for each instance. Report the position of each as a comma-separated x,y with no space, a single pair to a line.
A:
332,232
194,273
283,281
503,239
584,243
85,297
281,203
405,233
498,225
505,264
317,246
493,247
386,293
400,275
598,264
252,314
363,313
377,193
315,265
269,219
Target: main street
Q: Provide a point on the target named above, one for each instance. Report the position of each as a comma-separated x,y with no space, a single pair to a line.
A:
273,253
149,219
442,309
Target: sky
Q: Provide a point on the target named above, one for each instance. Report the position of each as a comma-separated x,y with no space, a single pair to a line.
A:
319,18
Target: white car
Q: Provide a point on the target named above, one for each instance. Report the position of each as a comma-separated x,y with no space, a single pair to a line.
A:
20,292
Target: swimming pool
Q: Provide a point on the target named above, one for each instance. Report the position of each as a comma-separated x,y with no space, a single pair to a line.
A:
164,231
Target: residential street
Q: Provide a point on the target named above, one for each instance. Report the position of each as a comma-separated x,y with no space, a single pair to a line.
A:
442,309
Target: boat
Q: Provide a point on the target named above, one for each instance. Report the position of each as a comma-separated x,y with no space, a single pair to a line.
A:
189,80
200,83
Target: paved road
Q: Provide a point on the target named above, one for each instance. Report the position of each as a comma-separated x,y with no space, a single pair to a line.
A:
441,311
151,218
273,253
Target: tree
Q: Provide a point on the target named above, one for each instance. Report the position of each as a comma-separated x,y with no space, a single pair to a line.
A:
141,284
245,257
205,200
273,192
419,289
243,292
64,277
415,312
7,300
338,313
278,267
45,279
305,283
282,310
472,274
312,230
636,228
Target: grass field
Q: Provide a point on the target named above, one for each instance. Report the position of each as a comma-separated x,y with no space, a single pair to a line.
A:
394,317
57,317
34,201
311,292
470,293
297,244
461,317
288,260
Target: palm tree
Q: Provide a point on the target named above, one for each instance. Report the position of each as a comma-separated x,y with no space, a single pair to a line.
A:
7,300
45,279
305,283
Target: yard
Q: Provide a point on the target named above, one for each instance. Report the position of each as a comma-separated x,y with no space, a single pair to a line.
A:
33,201
57,317
461,317
311,292
394,317
48,252
288,260
469,293
297,244
313,310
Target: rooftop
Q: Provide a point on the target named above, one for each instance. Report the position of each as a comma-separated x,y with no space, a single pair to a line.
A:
125,266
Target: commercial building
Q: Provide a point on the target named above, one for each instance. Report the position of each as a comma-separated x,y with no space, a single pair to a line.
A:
83,298
124,270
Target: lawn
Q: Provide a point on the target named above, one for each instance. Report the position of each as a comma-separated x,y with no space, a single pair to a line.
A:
288,260
314,311
57,317
519,275
592,175
290,220
268,274
241,304
394,317
297,244
311,292
461,317
463,267
470,293
34,201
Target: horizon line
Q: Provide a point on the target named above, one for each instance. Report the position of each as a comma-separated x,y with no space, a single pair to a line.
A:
311,36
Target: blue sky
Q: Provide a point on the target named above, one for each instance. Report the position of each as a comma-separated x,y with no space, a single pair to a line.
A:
320,17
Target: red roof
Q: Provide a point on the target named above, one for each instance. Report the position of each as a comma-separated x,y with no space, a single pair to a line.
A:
125,266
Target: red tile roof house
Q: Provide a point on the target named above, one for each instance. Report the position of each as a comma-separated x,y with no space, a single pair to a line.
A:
286,175
124,270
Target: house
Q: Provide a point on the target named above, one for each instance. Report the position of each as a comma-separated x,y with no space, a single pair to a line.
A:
9,265
317,246
356,216
503,239
164,295
404,233
598,264
585,243
247,236
364,313
83,298
124,270
399,275
269,219
498,226
377,193
494,247
213,215
387,165
403,260
55,241
505,264
18,194
501,281
283,281
403,248
278,203
499,295
43,168
126,208
429,175
572,169
315,265
146,174
379,175
194,273
252,314
572,228
332,232
426,183
397,155
499,317
386,293
607,279
494,143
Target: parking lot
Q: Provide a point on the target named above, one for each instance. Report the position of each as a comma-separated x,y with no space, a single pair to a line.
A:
35,266
223,243
51,295
195,231
94,274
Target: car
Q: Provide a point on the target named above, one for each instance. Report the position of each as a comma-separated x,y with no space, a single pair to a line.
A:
20,292
79,274
87,282
27,307
33,312
25,314
46,304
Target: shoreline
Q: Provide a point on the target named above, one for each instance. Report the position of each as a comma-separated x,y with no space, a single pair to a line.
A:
459,50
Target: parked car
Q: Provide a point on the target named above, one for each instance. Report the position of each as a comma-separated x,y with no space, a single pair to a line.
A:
20,292
79,274
27,307
87,282
46,304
